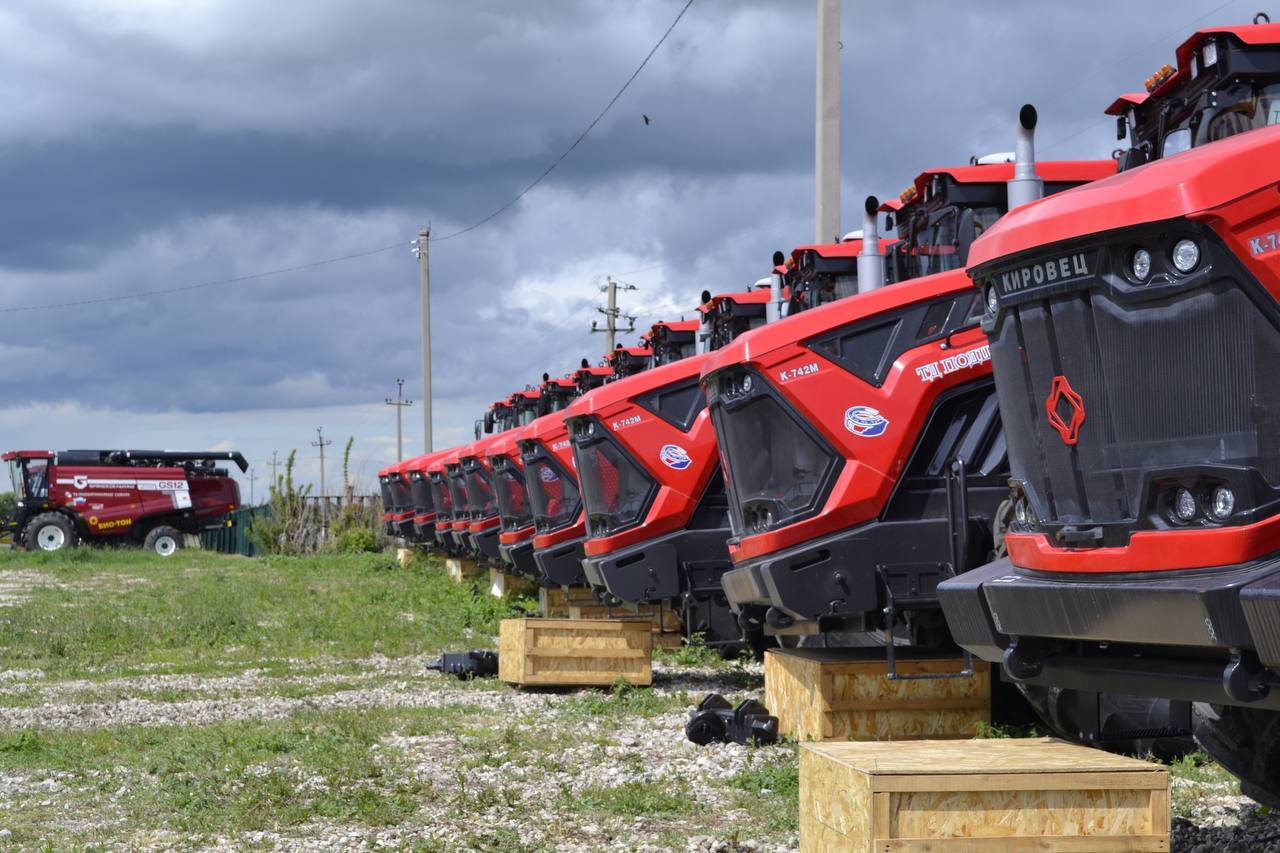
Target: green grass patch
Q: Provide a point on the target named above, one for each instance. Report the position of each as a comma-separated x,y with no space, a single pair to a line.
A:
634,799
109,610
624,700
771,793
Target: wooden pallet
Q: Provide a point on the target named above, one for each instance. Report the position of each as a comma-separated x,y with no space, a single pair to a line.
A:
846,694
554,602
462,570
575,652
979,796
502,584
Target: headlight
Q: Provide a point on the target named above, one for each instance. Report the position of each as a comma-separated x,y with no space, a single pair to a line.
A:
1141,264
1020,511
1184,505
993,302
1186,255
746,383
1209,54
1223,503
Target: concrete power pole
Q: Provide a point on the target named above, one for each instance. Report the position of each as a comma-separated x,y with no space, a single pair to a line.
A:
612,312
826,153
322,443
424,272
400,403
275,462
252,478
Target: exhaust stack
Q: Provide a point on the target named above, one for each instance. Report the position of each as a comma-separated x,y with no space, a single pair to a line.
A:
870,259
1026,186
774,310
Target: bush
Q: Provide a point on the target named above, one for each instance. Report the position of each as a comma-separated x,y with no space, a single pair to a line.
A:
357,540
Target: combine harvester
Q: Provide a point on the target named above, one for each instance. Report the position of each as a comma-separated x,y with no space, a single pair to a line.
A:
1135,331
144,498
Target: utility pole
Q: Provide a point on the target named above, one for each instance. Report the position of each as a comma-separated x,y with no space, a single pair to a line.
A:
612,312
321,443
252,478
400,405
826,154
275,462
420,247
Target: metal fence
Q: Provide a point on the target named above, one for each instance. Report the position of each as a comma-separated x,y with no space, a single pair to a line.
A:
234,539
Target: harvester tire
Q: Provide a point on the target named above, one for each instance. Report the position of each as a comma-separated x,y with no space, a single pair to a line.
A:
50,531
163,540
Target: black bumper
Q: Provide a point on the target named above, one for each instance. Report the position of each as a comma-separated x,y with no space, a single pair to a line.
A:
486,543
561,565
519,557
424,532
653,571
405,528
1170,634
841,574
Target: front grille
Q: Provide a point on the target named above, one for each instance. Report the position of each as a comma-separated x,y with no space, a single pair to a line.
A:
1172,374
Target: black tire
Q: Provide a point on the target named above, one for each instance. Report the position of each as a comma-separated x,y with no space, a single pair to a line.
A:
164,541
1057,708
1246,741
50,531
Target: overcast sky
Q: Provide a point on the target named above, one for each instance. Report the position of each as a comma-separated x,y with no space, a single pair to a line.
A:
150,144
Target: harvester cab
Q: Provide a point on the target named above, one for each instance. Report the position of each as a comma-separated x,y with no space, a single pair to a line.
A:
862,443
1146,475
150,498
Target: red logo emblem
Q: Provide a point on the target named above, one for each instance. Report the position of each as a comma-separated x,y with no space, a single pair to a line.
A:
1065,409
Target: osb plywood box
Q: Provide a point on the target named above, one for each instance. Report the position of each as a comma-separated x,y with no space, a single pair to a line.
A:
554,602
502,584
987,796
846,694
575,652
461,570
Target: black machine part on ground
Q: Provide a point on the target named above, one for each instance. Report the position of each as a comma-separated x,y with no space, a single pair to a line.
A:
717,721
473,664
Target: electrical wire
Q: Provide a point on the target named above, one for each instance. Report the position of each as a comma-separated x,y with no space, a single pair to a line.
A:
142,294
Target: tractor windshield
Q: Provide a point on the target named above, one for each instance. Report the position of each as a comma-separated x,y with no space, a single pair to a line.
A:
513,499
36,481
553,492
931,238
480,497
1219,113
615,490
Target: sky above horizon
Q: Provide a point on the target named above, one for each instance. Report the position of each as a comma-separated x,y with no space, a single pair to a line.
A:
154,144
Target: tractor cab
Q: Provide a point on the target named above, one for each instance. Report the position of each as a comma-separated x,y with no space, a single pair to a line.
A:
556,393
29,475
672,341
628,361
525,407
727,315
587,376
944,210
1226,82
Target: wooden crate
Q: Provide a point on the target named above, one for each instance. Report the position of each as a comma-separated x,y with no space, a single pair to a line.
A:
979,796
502,584
846,694
575,652
462,570
404,556
554,602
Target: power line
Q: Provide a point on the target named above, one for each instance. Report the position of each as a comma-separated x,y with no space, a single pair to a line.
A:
473,226
141,294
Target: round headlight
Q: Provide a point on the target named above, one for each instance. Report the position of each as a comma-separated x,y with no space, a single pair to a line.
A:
746,383
1184,505
1223,503
1186,255
591,428
1141,264
993,302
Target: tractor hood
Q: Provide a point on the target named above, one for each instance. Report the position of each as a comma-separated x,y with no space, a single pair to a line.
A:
798,327
1176,186
627,390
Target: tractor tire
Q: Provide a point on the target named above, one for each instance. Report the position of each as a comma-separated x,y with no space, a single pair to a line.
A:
1245,741
164,540
50,531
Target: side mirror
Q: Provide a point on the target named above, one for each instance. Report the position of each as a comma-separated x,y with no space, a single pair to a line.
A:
488,421
1122,128
888,222
965,236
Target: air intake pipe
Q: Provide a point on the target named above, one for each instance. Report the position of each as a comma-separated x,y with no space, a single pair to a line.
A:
870,259
774,310
1026,186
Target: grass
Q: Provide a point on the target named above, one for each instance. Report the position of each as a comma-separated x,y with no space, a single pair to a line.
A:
634,799
772,793
120,612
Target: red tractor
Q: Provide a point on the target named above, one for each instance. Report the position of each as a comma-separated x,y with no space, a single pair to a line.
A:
1134,329
150,498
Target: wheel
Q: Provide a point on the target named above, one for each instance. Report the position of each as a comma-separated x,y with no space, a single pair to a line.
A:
1246,741
50,531
163,540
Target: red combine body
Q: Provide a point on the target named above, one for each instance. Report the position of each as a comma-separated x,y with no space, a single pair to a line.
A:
142,497
1135,333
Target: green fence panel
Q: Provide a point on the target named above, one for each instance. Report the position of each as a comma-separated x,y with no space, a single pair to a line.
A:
234,539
